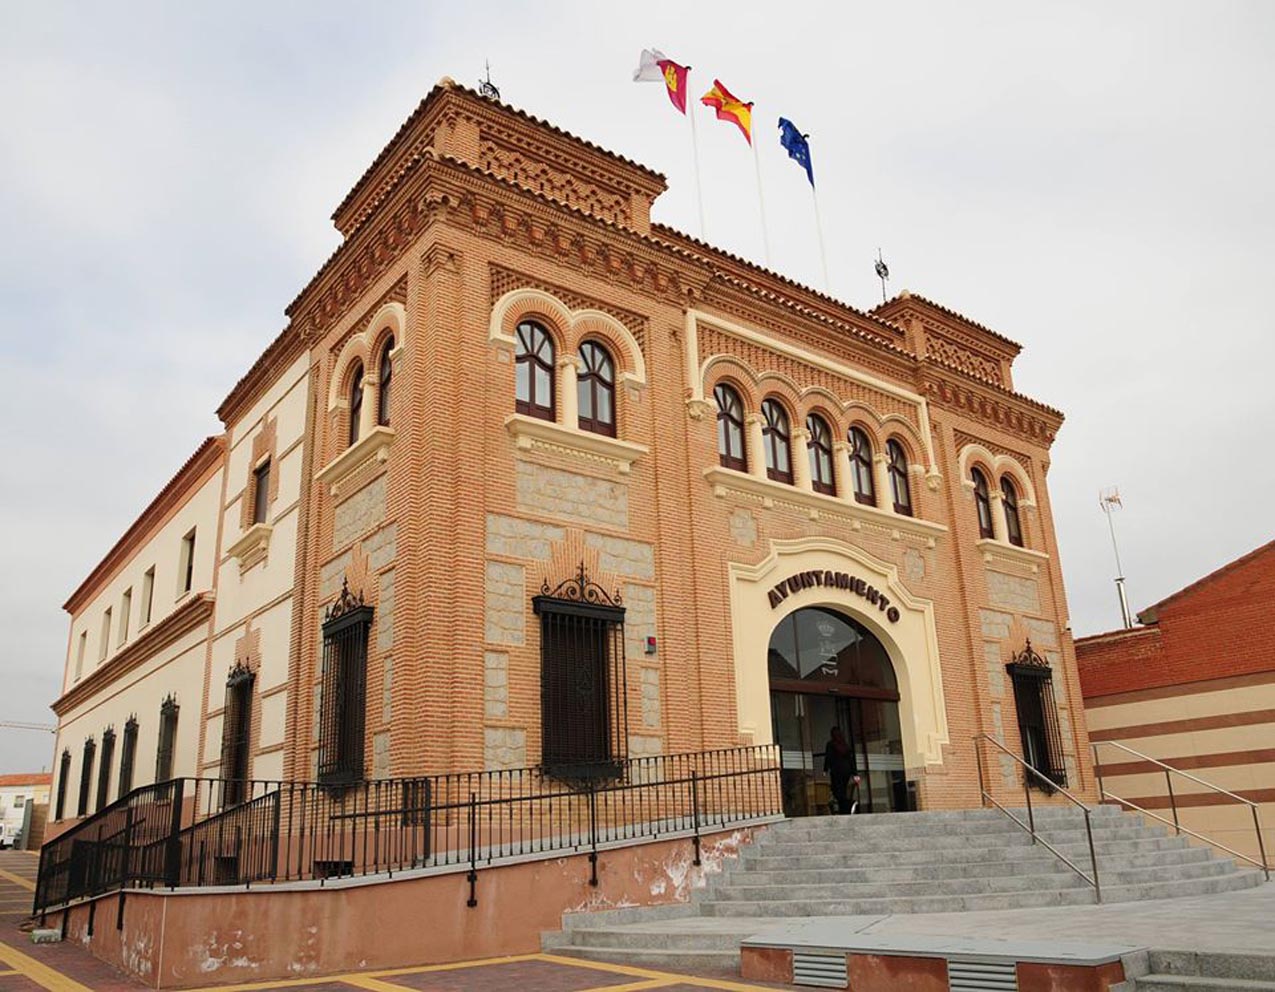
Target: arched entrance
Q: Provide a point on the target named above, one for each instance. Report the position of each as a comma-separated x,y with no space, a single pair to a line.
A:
828,670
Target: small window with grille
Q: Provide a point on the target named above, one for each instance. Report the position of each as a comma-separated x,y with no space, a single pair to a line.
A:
168,711
343,689
236,727
86,776
104,768
64,773
583,714
1037,710
128,755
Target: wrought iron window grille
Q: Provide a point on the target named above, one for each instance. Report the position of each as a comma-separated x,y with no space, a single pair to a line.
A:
1037,709
168,712
583,708
236,730
343,689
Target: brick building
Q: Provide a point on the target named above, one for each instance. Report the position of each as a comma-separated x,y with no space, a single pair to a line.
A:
509,393
1194,687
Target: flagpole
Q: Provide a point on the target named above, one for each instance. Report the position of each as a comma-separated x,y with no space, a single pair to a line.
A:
761,203
699,188
823,255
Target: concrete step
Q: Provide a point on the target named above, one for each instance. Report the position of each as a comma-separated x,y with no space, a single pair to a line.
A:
883,842
1215,964
886,905
696,962
1199,983
669,939
823,828
740,890
1173,888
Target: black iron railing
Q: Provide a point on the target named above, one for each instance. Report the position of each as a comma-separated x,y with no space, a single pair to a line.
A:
177,833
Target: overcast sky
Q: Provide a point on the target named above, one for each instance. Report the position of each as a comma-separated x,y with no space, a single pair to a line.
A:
1093,180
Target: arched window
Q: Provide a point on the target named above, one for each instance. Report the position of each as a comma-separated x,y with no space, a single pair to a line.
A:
984,503
730,428
865,490
819,447
1013,526
777,441
356,402
534,371
899,490
596,390
386,376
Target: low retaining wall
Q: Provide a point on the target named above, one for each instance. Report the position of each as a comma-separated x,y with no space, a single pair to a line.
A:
195,937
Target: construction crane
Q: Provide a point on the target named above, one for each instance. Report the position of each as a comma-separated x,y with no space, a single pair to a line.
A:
23,725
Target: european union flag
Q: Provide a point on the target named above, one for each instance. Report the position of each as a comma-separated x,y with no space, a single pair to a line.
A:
797,146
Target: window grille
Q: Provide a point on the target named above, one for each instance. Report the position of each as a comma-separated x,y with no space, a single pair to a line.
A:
104,767
128,756
261,492
64,772
1037,709
342,700
583,711
167,739
235,729
86,776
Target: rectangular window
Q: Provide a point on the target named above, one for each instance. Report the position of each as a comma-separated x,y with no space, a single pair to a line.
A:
104,648
261,492
104,768
343,691
64,773
128,757
86,776
1037,710
236,728
148,594
79,654
584,720
186,564
167,740
126,609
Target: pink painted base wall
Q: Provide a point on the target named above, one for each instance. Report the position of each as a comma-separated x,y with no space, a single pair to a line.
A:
194,938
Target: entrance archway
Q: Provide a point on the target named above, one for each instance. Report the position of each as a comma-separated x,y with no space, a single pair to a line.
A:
827,670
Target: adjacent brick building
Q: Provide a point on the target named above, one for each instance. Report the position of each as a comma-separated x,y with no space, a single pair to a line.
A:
508,388
1193,687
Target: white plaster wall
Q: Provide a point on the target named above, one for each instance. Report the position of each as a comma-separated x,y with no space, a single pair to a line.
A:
163,551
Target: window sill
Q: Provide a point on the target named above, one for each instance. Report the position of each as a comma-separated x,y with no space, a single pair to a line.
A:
725,481
530,433
374,447
252,547
990,548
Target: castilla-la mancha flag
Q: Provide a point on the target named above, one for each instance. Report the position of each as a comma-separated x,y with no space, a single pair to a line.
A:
654,65
730,108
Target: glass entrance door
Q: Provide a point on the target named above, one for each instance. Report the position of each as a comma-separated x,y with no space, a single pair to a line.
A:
802,724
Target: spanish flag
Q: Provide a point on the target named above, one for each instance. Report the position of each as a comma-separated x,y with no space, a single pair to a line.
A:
655,65
730,108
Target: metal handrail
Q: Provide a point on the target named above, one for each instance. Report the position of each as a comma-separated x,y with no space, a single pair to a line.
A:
1176,823
1030,825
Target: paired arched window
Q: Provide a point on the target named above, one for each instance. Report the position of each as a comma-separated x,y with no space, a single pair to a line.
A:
1009,500
356,401
983,501
819,448
596,390
777,441
534,371
898,471
861,467
730,428
386,376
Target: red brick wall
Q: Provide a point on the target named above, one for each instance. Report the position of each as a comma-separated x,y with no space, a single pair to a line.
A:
1218,628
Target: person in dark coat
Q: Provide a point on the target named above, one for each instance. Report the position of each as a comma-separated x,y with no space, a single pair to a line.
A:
839,763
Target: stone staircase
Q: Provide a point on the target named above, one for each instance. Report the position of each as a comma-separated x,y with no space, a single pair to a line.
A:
1191,971
873,866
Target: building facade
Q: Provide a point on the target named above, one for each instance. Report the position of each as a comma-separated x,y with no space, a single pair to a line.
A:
530,480
1193,687
21,796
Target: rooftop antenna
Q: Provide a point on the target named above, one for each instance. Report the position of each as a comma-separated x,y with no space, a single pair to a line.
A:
883,273
1109,501
486,87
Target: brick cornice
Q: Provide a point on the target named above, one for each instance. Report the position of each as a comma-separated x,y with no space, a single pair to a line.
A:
182,620
999,407
207,457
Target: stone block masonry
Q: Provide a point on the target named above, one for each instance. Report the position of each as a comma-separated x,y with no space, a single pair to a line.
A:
571,496
633,559
504,747
1013,592
639,619
512,537
359,514
495,685
506,603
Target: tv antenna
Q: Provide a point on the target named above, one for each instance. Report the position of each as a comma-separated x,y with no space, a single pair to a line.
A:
486,87
883,273
1109,501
